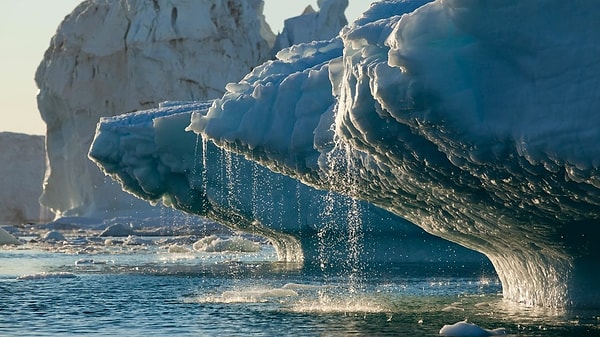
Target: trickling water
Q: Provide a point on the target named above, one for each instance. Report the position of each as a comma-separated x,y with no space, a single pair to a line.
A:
255,187
355,225
230,180
204,164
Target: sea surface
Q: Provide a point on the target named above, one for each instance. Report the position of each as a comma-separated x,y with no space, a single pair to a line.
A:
145,290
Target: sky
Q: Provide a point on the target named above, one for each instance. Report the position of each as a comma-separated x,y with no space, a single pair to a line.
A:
25,32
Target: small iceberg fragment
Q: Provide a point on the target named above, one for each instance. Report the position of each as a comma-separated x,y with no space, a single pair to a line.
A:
118,230
46,275
178,249
53,236
133,240
7,239
81,262
466,329
214,244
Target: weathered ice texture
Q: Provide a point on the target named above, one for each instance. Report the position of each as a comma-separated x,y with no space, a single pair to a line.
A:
22,164
476,120
110,57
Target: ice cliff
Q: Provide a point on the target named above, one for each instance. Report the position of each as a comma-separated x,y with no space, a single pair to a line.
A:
475,120
22,168
111,57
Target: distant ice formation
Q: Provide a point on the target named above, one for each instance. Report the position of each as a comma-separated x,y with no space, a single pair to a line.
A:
312,25
111,57
22,165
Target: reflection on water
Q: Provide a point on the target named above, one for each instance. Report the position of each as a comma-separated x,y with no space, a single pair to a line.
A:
150,292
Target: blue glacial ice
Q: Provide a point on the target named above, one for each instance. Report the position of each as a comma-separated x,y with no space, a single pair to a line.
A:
475,120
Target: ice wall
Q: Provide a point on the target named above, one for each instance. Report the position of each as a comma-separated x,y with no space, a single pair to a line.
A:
111,57
476,120
22,165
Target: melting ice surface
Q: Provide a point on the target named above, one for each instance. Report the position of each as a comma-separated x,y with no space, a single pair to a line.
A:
474,120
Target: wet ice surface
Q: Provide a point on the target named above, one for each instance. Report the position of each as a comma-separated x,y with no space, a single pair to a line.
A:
143,286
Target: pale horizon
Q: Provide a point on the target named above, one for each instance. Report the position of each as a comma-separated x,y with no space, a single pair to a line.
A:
24,51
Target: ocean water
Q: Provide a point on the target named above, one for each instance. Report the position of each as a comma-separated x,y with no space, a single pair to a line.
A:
147,291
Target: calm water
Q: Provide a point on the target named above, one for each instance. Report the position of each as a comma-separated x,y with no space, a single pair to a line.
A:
150,292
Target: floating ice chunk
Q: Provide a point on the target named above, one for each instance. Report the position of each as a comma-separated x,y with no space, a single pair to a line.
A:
201,244
213,244
132,240
178,249
53,236
81,262
7,239
465,329
117,230
46,275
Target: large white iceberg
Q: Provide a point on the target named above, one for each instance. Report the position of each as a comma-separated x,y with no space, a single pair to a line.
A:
110,57
475,120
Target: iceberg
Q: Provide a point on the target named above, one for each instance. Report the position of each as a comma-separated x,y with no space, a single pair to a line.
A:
474,120
21,175
111,57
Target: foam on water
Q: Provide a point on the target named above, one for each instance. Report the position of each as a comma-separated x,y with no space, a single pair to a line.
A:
252,295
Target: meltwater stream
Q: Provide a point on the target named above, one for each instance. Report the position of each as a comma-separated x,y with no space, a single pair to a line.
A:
145,290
